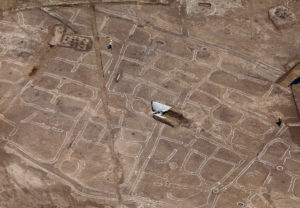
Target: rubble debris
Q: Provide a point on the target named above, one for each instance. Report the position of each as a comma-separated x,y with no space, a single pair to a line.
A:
282,17
279,168
57,36
240,204
64,38
215,190
168,115
77,42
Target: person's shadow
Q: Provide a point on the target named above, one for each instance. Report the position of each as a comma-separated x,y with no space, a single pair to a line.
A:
279,122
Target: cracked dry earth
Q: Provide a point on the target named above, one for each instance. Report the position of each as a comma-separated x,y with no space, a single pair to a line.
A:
73,136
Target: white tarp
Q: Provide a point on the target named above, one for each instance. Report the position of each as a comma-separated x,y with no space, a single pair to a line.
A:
159,108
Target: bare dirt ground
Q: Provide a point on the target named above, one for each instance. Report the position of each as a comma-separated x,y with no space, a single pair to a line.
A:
76,128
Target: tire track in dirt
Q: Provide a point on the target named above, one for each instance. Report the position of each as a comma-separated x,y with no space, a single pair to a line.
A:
117,169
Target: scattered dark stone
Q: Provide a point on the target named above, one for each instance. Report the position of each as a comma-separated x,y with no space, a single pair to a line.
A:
160,42
282,17
241,204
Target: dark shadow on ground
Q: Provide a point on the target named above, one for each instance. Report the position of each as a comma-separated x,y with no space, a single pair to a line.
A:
296,81
295,130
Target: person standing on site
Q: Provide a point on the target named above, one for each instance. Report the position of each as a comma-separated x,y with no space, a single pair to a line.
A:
110,45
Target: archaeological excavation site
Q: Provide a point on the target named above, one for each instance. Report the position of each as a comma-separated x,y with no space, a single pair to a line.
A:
149,103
